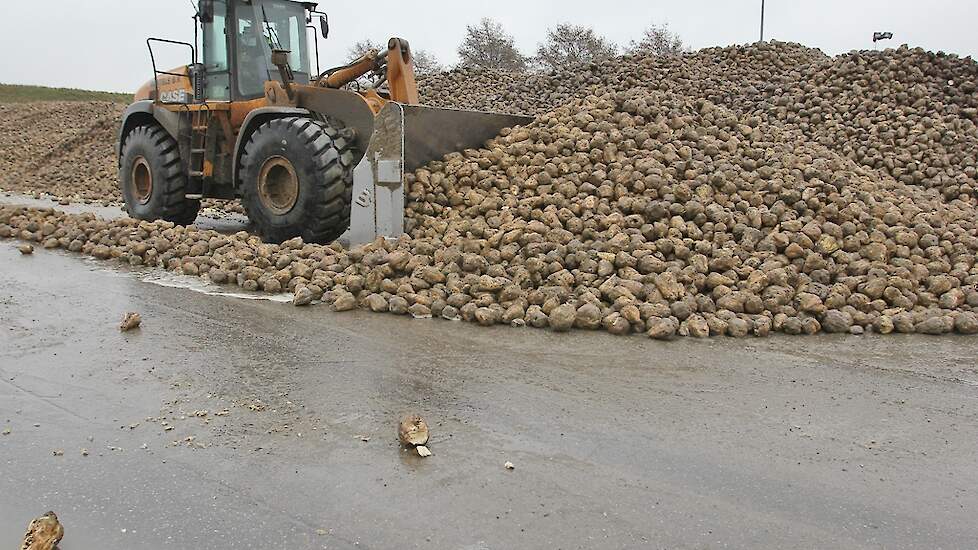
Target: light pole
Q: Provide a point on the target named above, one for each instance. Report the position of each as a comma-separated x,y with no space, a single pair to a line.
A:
762,20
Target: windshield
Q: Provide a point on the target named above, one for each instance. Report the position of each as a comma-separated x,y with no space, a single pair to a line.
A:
265,25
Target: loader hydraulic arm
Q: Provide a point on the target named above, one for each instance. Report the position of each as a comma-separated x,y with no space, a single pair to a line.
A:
345,75
400,72
396,66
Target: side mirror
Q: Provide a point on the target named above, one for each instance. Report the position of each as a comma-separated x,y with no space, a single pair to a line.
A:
206,11
324,26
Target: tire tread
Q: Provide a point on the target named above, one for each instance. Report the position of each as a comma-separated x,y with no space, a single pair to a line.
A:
327,214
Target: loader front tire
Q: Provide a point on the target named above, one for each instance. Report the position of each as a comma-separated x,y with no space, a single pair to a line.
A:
297,180
152,177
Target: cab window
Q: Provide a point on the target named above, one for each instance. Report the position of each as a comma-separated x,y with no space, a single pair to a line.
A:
262,26
216,55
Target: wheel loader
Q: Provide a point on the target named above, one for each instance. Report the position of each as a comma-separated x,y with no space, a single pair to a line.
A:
314,154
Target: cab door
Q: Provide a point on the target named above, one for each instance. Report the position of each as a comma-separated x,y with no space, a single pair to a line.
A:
216,58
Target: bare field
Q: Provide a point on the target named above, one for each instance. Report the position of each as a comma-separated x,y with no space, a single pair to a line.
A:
17,93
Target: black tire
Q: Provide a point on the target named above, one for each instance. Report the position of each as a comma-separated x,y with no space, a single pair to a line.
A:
297,180
149,152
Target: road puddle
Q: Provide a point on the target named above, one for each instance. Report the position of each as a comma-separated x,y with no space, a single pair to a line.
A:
197,284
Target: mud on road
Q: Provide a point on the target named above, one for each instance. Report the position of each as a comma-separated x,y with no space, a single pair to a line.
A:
226,422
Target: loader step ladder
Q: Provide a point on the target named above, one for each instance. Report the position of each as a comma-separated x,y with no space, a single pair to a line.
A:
199,125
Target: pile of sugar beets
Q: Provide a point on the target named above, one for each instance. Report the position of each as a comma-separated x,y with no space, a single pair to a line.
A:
60,149
734,191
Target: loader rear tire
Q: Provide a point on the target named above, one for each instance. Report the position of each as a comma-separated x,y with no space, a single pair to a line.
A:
297,180
152,177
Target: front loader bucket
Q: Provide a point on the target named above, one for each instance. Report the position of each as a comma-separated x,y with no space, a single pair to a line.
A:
405,138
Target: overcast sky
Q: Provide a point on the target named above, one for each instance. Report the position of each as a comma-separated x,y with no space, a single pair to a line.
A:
100,44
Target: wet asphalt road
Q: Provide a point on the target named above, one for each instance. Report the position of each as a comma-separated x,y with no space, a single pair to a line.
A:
618,443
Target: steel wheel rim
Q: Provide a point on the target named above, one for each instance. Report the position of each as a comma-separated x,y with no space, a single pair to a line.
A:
141,180
278,185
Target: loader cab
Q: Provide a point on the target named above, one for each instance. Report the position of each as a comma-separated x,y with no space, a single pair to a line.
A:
238,39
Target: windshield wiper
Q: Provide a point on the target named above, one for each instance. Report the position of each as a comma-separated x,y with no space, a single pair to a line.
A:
272,34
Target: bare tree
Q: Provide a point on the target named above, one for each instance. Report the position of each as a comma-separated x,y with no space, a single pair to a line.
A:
488,46
361,47
569,45
658,40
425,63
